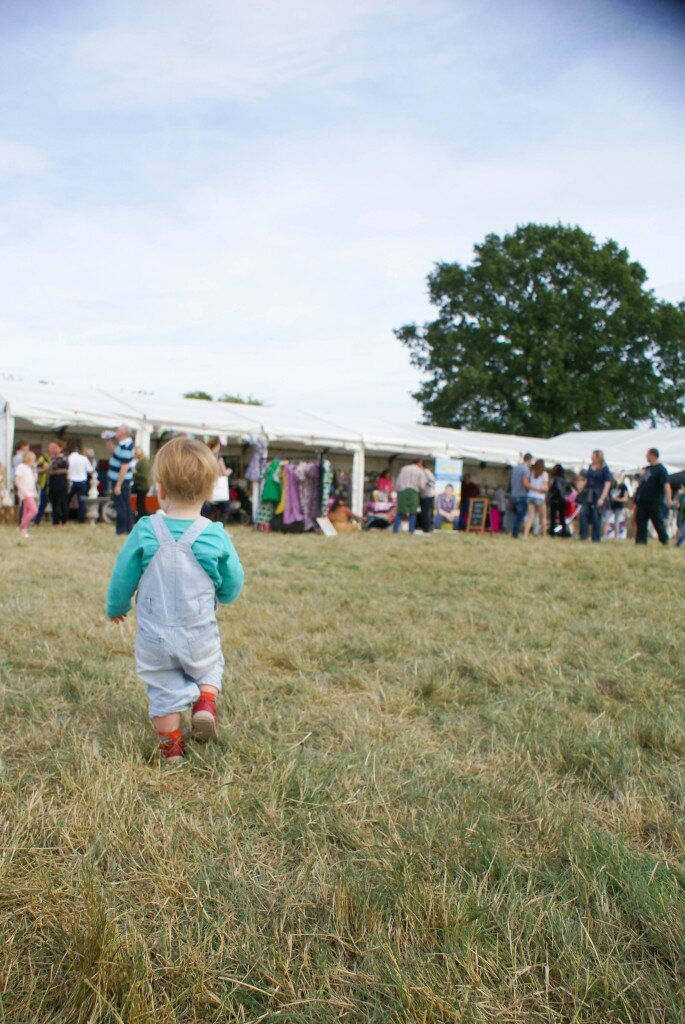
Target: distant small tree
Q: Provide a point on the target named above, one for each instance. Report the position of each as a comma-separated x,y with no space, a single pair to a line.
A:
203,395
548,331
235,399
239,400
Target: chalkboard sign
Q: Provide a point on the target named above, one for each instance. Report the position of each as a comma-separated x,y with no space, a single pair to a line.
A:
478,515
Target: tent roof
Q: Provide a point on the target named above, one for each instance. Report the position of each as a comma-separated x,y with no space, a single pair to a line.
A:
625,449
507,449
52,406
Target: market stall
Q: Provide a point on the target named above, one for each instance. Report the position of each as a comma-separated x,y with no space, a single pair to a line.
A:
359,448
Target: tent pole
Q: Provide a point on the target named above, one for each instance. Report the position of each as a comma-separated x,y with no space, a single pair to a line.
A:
143,436
358,481
255,499
6,457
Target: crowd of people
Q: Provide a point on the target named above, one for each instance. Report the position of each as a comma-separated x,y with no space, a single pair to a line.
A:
591,504
55,478
602,505
61,478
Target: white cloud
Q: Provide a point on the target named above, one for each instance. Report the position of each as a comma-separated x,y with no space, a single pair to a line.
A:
217,50
288,283
18,158
277,260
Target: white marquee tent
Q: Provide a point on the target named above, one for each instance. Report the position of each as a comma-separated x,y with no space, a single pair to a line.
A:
626,449
29,406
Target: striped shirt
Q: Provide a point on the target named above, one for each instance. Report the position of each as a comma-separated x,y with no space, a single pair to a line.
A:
123,453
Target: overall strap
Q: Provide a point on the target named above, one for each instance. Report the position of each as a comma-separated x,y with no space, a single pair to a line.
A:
193,532
162,531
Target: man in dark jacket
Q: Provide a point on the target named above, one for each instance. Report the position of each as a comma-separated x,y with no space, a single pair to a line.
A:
653,492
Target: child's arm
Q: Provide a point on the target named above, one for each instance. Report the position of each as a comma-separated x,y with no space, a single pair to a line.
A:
231,574
126,574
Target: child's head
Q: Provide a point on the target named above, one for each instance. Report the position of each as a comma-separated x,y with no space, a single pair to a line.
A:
185,470
29,458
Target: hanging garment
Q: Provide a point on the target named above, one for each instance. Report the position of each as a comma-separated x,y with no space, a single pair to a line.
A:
280,508
293,502
272,483
304,489
258,459
265,514
315,474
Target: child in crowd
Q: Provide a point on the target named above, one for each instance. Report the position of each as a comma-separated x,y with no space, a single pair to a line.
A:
25,484
180,564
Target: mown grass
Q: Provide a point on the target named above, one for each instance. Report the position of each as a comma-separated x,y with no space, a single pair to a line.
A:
449,788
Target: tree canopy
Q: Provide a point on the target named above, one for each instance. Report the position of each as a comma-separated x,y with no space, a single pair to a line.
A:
548,331
235,399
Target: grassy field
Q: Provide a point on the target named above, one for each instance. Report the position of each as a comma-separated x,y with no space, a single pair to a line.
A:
449,788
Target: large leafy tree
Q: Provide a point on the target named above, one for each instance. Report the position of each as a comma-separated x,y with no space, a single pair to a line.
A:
547,331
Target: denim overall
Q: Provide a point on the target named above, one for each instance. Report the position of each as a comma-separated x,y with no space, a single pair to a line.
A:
177,645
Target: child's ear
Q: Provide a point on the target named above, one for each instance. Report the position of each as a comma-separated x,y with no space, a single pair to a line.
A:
161,493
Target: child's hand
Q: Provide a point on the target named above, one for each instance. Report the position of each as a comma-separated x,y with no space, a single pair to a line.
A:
117,618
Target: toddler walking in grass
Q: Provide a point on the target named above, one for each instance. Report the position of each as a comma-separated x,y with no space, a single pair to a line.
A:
181,565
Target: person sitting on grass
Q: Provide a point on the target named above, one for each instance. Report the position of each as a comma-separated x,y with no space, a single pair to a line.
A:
343,518
180,564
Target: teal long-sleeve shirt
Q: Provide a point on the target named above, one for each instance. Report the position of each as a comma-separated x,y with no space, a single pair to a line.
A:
213,550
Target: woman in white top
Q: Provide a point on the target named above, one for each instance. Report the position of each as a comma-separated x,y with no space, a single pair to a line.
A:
25,483
221,497
537,498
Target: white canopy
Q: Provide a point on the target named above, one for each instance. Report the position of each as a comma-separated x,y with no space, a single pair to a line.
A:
626,449
53,407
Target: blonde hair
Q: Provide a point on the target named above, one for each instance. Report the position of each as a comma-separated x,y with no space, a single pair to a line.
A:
599,454
29,458
186,469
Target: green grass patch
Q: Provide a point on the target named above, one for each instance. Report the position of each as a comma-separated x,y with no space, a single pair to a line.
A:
449,788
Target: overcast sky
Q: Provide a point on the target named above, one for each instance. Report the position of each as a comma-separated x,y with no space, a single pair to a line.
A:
247,197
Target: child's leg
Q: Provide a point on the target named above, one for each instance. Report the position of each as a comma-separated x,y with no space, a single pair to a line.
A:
28,512
170,692
204,718
167,723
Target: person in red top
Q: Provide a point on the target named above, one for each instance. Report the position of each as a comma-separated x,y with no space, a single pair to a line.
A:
384,483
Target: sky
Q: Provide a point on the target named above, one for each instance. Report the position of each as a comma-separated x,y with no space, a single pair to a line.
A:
247,197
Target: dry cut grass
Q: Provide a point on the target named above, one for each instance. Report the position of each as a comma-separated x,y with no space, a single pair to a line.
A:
449,788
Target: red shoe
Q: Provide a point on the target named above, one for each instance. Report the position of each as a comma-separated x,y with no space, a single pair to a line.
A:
172,746
204,720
